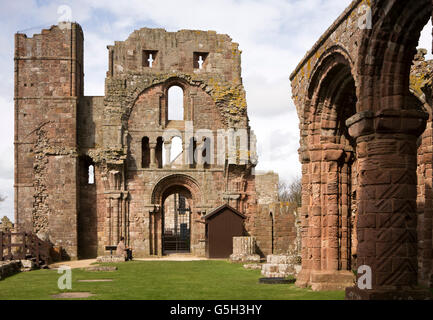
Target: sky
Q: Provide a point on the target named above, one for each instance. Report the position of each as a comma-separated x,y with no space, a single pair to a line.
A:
274,35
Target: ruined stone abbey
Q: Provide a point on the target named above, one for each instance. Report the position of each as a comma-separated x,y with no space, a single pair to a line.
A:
89,170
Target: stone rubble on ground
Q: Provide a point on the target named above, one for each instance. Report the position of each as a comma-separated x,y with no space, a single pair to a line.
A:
113,258
101,268
253,266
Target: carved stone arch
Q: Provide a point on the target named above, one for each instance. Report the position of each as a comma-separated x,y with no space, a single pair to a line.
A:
386,53
332,56
332,78
176,182
175,81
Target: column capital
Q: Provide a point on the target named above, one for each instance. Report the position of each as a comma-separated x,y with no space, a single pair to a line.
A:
411,122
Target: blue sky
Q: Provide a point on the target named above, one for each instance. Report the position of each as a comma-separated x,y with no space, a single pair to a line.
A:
274,36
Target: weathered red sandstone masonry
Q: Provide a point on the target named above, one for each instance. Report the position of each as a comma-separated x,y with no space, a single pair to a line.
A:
363,103
89,170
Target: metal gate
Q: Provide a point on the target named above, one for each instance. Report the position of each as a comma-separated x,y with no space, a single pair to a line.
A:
177,236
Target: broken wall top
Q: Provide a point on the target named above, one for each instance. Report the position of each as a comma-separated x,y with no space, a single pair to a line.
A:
151,57
173,52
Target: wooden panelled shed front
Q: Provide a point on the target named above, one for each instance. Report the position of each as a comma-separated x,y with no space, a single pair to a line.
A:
222,224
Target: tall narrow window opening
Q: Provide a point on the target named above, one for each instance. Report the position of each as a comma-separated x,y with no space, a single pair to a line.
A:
145,153
175,103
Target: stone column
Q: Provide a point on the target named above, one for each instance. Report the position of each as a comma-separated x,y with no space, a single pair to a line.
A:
387,221
345,207
333,155
425,207
324,219
116,219
153,163
311,215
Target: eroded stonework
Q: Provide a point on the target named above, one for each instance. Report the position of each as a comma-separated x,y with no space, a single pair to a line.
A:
363,103
90,170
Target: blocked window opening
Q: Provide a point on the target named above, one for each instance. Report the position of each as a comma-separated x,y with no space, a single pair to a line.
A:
175,103
91,174
145,151
199,59
149,57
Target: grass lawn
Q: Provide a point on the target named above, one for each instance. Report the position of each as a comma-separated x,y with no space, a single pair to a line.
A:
160,280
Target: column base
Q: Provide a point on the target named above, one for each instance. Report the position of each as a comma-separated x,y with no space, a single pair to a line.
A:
303,278
325,280
354,293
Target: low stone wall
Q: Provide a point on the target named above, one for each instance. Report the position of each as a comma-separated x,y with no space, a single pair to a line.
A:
244,250
279,266
9,268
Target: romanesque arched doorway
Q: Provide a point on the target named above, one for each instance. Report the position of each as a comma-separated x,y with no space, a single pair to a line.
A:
175,225
176,220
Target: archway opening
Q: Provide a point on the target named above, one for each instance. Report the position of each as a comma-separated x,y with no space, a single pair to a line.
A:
176,221
335,102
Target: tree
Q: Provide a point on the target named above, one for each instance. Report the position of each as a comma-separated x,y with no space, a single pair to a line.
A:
291,192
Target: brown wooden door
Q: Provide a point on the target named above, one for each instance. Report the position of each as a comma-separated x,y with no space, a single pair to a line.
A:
222,228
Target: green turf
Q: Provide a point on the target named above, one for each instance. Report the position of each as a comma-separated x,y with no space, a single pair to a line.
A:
161,280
